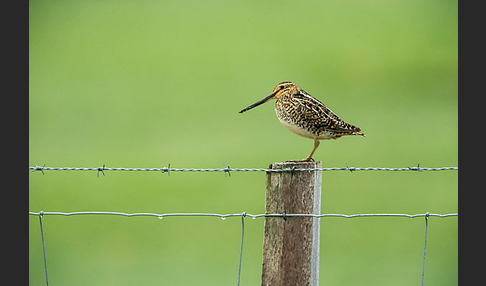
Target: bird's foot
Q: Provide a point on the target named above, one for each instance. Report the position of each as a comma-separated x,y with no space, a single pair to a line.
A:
301,160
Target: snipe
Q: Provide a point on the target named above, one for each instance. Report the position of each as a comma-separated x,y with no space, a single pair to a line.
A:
306,116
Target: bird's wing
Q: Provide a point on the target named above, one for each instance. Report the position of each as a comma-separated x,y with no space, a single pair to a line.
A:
312,110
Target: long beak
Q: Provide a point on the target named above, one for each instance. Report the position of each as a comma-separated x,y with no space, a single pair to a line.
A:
258,103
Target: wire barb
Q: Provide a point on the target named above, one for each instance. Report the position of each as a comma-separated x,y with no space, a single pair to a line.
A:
39,168
226,170
101,169
416,168
292,169
166,170
350,169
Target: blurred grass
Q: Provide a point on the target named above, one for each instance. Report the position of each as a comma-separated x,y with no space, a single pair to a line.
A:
147,83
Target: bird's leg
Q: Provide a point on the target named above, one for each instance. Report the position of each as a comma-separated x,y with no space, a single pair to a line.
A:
309,158
316,144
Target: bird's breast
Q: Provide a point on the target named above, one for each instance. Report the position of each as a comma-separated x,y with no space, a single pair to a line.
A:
300,128
297,129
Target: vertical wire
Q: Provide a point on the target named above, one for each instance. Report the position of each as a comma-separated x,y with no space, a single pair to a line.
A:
43,245
425,245
241,245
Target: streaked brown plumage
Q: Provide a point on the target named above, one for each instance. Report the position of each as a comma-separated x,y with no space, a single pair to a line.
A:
306,116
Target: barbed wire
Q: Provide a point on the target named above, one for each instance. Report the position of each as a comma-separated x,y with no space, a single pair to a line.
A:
228,170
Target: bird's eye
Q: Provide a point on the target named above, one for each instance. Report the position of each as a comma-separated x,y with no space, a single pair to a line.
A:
281,87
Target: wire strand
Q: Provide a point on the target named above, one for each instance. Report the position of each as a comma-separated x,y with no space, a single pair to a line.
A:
239,214
284,215
43,245
241,244
425,245
228,170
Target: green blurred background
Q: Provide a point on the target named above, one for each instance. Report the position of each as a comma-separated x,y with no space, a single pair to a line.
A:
148,83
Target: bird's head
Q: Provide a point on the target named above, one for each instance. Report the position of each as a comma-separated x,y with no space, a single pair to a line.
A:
285,87
282,88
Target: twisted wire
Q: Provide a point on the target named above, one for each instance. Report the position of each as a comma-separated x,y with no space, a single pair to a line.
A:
227,170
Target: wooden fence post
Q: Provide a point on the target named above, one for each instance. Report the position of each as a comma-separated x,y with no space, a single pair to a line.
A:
291,244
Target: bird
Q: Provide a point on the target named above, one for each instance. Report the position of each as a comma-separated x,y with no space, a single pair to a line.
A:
306,116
